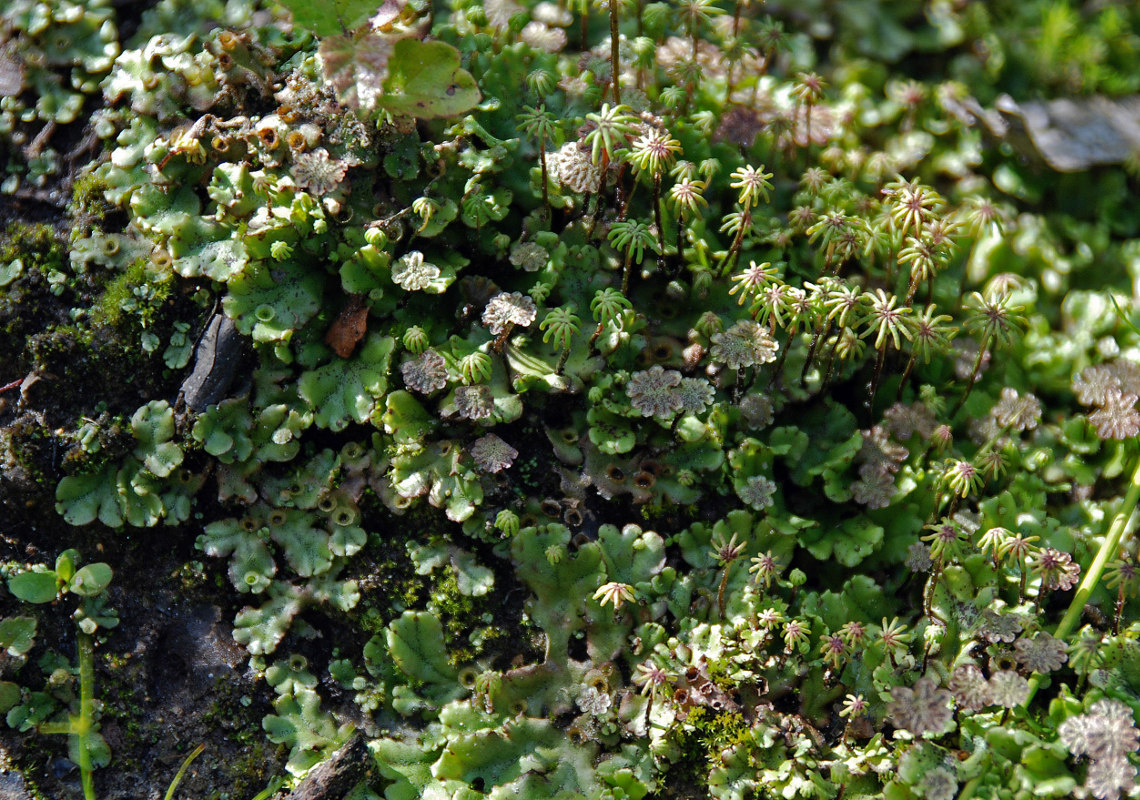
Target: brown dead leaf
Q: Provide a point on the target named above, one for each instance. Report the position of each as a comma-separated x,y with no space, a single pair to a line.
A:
11,72
349,327
356,64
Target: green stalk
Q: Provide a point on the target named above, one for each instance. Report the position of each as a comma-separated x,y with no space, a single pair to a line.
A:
831,361
680,239
81,725
818,335
545,190
657,219
197,751
905,375
879,361
1107,550
85,722
597,332
734,249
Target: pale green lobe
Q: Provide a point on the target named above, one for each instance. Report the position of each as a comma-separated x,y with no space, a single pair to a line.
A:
347,390
330,17
415,641
425,81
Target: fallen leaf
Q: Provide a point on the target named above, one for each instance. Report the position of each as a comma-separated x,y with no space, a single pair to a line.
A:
355,65
349,327
11,73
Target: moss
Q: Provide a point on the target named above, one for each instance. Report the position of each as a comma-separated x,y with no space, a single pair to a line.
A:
139,292
192,576
704,735
651,511
27,304
76,357
113,440
40,767
250,775
457,613
88,205
717,671
36,244
387,582
718,730
75,360
33,447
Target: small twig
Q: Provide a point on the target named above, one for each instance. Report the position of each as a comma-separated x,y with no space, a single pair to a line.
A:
37,144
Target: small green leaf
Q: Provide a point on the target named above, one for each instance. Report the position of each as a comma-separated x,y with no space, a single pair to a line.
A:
270,302
65,564
34,587
306,547
788,441
425,80
261,629
355,65
405,419
210,250
10,271
473,579
17,635
91,580
850,543
153,426
347,540
97,749
631,555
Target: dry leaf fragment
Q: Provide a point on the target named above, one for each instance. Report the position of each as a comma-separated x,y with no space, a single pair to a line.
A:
349,327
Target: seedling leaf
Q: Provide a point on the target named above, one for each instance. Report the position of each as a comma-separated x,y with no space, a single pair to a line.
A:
91,580
9,695
34,587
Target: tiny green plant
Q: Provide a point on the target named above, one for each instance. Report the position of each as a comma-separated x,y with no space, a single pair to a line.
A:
88,583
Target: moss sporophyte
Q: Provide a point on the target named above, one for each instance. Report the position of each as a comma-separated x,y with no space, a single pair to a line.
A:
435,323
